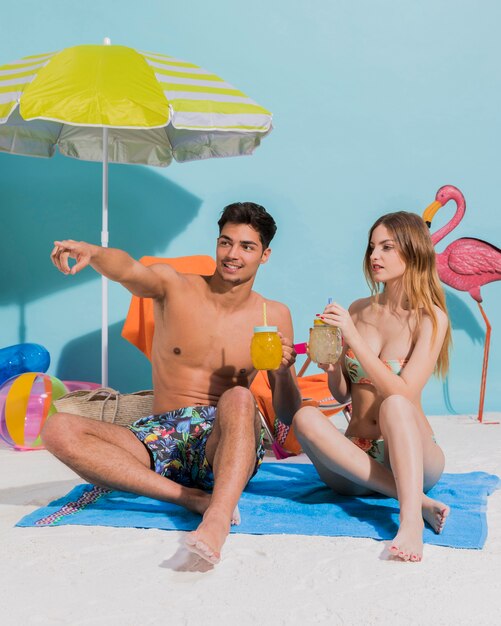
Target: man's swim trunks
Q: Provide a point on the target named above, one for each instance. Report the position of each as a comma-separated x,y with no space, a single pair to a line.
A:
176,442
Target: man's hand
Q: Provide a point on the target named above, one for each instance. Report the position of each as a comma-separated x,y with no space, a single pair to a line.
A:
288,354
64,250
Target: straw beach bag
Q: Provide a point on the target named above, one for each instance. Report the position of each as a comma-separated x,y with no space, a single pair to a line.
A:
107,405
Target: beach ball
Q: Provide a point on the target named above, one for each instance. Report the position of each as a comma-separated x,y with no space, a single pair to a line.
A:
26,401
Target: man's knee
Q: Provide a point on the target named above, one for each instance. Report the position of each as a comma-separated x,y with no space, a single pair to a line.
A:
240,395
238,405
56,429
238,399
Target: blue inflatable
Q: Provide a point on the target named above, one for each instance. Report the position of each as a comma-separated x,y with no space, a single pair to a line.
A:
23,357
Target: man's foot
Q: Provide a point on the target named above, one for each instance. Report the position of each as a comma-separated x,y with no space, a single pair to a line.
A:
408,542
208,539
435,513
235,518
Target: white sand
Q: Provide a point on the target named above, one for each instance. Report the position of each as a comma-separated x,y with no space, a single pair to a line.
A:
78,575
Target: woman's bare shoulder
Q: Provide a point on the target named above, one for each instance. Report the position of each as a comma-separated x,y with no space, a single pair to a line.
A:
437,328
440,315
362,304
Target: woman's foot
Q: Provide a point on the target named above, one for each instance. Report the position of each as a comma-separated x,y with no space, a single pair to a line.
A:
408,542
435,513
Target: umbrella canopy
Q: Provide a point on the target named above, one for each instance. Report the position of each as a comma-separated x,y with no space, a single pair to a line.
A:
116,104
182,111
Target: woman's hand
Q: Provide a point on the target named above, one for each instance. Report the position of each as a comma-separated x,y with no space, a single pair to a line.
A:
335,315
328,367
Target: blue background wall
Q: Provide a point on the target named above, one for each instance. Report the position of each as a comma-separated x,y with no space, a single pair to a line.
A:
376,105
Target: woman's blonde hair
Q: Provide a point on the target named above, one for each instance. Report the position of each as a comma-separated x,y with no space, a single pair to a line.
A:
421,283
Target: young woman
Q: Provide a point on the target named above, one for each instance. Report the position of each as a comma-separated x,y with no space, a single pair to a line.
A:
394,341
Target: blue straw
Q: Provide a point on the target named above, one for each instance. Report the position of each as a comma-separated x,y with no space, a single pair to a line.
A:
329,300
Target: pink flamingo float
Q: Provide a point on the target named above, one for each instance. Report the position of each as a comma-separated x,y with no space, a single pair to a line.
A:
466,264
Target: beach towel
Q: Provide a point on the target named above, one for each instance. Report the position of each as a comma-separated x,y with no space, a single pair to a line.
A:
286,498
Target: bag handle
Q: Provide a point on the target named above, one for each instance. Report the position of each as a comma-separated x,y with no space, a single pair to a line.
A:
102,390
103,406
109,392
143,392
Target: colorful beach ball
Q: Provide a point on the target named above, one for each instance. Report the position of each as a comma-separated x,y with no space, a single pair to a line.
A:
26,401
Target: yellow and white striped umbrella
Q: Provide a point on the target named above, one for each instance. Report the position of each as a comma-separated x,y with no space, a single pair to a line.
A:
182,111
115,104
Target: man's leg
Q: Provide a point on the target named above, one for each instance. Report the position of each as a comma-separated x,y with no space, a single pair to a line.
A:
111,456
231,451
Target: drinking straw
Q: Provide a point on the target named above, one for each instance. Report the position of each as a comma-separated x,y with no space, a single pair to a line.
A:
329,300
264,314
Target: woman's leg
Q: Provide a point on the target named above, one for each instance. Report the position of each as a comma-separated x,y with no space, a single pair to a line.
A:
342,465
349,471
416,464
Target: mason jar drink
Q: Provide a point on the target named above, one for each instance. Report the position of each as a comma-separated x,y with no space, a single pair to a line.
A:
266,348
326,344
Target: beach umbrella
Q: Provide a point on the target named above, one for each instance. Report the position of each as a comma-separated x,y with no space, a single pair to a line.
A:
115,104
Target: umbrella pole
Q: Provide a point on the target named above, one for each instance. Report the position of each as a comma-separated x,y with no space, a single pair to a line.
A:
104,280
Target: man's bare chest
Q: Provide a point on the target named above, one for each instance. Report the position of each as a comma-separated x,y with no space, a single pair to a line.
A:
205,339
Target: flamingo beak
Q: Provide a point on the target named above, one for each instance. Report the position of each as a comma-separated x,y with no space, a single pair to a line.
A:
430,211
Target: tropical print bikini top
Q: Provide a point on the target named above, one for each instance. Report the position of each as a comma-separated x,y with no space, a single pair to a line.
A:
357,374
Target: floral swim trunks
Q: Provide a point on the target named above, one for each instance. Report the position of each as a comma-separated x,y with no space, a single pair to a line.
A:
176,443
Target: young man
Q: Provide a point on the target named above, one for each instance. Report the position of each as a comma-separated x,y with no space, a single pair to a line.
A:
205,433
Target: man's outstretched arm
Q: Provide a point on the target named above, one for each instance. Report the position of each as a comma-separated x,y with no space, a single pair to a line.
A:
115,264
285,392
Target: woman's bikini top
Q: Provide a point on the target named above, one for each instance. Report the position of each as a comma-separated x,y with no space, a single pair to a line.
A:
357,374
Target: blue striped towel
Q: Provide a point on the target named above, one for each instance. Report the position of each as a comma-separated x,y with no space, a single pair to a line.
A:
286,498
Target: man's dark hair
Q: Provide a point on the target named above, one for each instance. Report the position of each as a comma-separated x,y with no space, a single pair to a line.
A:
253,214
